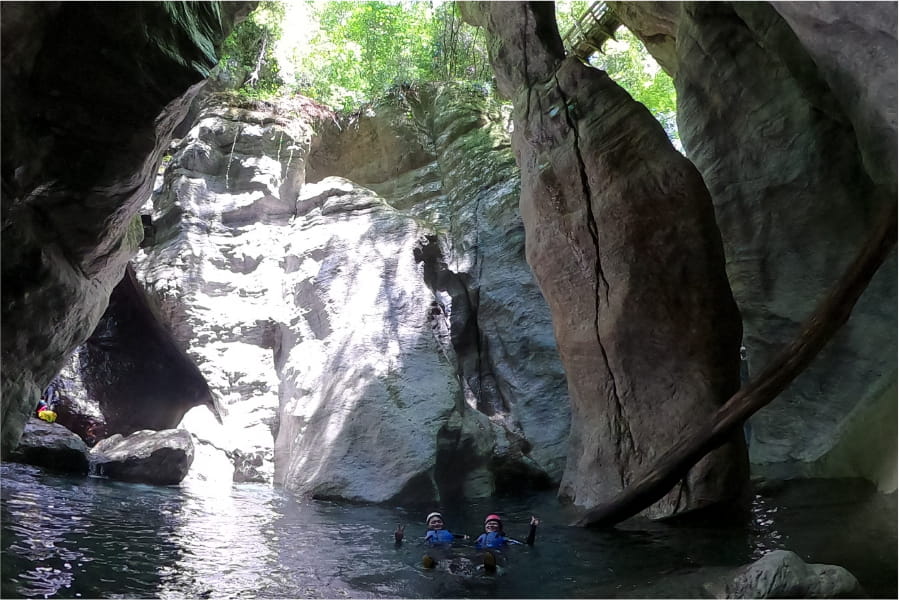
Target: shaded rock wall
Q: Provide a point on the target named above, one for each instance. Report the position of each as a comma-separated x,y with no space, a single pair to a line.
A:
622,239
133,369
456,173
788,111
90,95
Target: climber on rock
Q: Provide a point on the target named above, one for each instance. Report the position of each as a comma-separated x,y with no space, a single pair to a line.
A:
46,406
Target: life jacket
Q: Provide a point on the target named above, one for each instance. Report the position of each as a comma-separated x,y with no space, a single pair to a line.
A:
47,415
439,536
490,540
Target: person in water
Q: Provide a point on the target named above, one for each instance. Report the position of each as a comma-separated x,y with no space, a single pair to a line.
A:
495,537
436,535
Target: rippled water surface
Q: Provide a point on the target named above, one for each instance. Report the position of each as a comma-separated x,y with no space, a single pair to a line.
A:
71,537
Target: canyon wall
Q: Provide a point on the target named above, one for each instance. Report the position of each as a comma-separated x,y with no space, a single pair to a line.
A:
83,128
796,140
621,236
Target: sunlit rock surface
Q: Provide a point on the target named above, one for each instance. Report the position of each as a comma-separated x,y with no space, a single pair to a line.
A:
155,457
391,337
91,93
366,388
222,215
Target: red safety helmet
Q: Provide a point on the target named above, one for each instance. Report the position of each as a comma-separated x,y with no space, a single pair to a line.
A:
492,517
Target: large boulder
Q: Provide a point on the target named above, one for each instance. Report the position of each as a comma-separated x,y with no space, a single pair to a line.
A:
783,574
155,457
51,446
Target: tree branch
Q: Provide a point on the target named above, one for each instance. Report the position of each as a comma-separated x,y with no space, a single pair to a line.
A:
254,76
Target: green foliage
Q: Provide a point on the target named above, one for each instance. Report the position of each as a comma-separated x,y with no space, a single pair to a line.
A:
358,51
630,65
248,55
362,49
460,49
567,14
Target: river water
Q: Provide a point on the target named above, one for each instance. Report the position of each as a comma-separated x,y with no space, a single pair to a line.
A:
74,537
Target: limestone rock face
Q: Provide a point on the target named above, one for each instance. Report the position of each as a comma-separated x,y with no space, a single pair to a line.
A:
221,215
83,127
366,390
782,574
390,337
155,457
493,323
621,236
51,446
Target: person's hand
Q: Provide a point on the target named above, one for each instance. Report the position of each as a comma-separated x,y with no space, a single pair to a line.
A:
399,533
534,521
465,537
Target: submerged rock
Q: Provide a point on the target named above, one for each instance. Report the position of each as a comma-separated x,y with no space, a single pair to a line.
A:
51,446
157,457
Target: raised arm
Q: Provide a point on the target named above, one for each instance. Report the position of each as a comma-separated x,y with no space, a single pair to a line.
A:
532,533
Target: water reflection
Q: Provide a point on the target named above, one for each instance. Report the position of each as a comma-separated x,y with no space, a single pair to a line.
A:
92,538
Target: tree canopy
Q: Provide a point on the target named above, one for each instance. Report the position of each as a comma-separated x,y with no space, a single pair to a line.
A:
354,52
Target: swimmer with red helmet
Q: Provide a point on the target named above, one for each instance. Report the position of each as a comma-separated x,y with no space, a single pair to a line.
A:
495,537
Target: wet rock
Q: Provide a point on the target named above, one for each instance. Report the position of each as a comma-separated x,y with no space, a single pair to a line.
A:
250,467
51,446
155,457
782,574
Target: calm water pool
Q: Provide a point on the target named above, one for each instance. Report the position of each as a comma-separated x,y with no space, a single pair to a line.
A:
73,537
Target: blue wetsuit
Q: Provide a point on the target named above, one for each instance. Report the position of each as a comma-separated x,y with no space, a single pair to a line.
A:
440,536
496,539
